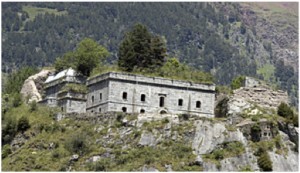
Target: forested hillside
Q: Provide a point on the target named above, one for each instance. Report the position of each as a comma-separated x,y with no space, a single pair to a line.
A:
225,39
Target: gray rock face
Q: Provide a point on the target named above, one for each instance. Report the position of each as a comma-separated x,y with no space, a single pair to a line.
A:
150,169
286,163
147,139
237,163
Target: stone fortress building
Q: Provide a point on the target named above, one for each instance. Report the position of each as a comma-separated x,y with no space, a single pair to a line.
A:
123,92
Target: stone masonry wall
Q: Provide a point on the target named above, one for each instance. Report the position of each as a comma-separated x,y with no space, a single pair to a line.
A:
112,86
262,96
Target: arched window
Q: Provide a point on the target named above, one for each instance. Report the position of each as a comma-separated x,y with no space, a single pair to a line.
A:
180,102
143,97
124,109
142,111
198,104
124,95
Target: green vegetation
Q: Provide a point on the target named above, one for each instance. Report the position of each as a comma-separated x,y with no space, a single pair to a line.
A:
34,11
77,88
227,149
84,59
267,71
287,112
140,50
23,124
237,82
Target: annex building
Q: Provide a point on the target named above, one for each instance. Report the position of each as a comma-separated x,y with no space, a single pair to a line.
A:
124,92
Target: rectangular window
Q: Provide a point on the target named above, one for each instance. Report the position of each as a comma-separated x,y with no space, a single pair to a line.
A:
180,102
124,95
161,102
100,96
143,97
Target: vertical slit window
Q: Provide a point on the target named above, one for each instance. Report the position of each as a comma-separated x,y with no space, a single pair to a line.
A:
161,102
100,96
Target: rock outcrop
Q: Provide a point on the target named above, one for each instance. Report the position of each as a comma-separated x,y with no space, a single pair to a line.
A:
32,87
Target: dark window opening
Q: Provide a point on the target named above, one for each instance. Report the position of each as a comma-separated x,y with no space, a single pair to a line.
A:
100,96
124,109
142,111
92,111
198,104
161,101
124,95
265,134
143,97
99,109
163,112
92,99
180,102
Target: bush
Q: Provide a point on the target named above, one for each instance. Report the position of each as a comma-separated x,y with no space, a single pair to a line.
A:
9,130
17,100
285,111
237,82
6,151
77,144
264,162
23,124
33,106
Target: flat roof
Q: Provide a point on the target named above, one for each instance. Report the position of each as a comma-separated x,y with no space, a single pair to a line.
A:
121,76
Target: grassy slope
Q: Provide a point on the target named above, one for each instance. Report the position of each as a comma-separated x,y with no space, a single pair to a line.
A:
34,11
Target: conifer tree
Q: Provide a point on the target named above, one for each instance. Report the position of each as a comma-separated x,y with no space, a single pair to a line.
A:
140,50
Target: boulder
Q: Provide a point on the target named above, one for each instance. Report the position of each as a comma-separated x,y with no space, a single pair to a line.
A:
32,86
147,139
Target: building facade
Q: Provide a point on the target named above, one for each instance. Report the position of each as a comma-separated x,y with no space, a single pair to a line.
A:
122,92
56,96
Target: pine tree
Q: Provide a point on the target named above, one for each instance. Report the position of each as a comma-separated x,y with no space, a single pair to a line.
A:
141,50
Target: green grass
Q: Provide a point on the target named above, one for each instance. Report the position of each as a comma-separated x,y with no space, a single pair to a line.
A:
34,11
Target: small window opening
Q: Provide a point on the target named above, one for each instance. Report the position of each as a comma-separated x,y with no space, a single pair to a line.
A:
143,97
124,109
99,109
142,111
265,134
92,111
100,96
161,101
180,102
163,112
124,95
198,104
92,99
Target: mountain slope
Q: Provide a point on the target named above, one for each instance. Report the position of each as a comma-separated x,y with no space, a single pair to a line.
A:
226,39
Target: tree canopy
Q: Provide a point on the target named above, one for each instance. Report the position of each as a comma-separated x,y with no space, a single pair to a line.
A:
140,49
84,59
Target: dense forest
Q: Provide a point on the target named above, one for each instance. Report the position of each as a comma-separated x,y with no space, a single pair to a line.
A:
213,37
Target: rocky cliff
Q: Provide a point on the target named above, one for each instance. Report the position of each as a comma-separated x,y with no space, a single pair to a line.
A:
33,86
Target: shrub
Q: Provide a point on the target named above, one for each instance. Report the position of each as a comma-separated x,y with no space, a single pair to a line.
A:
77,144
285,111
9,130
33,106
237,82
23,124
264,162
5,151
17,100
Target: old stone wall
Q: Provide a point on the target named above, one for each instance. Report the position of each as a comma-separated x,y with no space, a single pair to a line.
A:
138,94
262,96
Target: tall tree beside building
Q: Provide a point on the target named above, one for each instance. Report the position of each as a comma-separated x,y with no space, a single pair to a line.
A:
140,50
